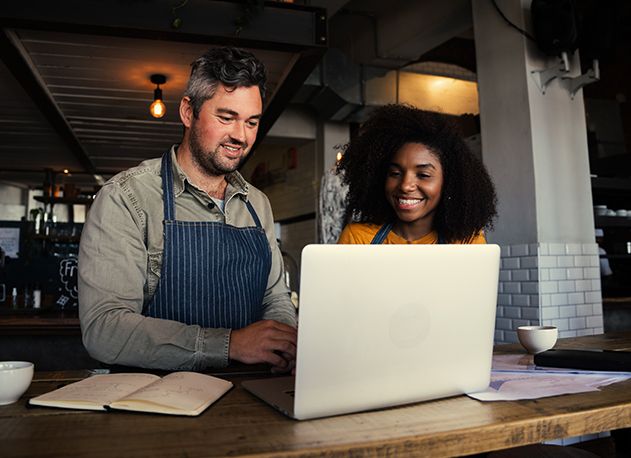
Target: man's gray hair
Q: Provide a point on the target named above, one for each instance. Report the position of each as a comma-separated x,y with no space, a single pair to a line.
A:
232,67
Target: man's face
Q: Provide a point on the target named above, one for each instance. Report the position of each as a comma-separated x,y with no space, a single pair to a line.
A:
225,130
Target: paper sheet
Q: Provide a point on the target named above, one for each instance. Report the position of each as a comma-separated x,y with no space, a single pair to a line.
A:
10,241
515,377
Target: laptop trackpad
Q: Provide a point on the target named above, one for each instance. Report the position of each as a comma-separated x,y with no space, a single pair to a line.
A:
276,391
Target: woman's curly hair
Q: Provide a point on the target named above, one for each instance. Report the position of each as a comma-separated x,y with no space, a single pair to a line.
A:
468,200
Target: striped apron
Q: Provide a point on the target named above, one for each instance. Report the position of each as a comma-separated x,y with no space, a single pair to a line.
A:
213,274
383,232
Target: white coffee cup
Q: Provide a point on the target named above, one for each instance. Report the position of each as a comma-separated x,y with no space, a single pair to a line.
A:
536,339
15,378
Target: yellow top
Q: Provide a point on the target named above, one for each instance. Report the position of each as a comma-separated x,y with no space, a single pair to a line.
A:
363,233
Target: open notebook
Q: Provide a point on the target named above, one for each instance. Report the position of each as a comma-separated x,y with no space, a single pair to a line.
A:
384,325
179,393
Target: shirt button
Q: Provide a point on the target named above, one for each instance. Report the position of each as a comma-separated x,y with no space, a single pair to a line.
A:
211,205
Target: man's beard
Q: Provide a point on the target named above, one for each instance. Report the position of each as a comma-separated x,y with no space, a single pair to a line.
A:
208,161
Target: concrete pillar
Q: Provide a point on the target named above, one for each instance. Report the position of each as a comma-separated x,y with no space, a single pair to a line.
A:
535,147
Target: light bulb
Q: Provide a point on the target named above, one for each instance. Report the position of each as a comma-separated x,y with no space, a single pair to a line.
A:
157,108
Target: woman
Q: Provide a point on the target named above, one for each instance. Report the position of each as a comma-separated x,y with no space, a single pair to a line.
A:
412,179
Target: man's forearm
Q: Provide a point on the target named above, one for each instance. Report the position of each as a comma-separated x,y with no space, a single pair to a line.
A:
280,308
130,339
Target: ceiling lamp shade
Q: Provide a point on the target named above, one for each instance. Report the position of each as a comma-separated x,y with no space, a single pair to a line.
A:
158,108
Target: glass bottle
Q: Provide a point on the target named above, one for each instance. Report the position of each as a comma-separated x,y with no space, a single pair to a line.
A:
37,296
14,298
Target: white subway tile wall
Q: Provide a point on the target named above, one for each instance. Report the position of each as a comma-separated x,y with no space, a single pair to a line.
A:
549,284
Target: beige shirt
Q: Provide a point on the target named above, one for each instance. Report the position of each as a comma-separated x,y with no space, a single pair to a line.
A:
120,258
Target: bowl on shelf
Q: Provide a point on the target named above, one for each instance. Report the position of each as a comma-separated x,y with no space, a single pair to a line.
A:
600,210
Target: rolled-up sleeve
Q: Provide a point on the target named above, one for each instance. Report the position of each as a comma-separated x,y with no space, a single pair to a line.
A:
113,260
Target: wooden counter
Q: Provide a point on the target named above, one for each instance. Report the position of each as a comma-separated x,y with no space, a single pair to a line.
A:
45,322
241,425
49,338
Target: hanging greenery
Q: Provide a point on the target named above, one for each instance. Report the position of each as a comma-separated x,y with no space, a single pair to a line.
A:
177,21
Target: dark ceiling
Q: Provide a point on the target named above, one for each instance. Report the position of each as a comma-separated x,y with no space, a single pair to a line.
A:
74,75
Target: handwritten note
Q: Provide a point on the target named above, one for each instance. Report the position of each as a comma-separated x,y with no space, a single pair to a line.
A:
186,391
101,389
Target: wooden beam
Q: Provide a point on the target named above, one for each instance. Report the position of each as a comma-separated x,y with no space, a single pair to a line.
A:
301,67
275,26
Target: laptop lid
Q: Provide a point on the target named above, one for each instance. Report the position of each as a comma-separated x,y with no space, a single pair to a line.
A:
383,325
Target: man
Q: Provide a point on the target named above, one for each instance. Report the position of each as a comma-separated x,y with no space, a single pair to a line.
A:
178,263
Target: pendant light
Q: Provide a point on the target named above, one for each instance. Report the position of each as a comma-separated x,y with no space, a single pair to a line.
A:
158,108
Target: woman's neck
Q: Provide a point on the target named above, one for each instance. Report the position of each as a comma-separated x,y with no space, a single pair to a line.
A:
412,231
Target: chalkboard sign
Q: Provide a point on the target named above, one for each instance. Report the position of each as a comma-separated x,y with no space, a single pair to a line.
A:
68,294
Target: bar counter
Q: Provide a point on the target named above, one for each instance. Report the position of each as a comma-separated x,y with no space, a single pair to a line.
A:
55,322
241,425
49,338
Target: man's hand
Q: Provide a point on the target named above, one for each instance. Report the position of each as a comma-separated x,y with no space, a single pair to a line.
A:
265,341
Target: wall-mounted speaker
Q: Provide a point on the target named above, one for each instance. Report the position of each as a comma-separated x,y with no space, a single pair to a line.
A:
555,26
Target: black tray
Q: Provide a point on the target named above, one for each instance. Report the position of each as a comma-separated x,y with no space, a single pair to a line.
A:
596,360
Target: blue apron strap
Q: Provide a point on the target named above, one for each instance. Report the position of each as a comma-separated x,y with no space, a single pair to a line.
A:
167,187
255,217
381,235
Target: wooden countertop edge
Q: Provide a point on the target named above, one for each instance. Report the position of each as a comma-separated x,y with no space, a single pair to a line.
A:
44,324
511,434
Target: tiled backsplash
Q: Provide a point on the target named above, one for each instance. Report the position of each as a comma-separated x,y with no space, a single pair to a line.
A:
549,284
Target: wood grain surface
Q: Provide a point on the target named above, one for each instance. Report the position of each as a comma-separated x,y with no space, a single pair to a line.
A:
241,425
42,322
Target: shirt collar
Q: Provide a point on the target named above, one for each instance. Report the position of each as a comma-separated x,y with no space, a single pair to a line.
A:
236,182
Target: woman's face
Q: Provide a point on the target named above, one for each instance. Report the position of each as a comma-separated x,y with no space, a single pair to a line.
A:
414,182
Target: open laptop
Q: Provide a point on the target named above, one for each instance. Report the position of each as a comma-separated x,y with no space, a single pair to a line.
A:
384,325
